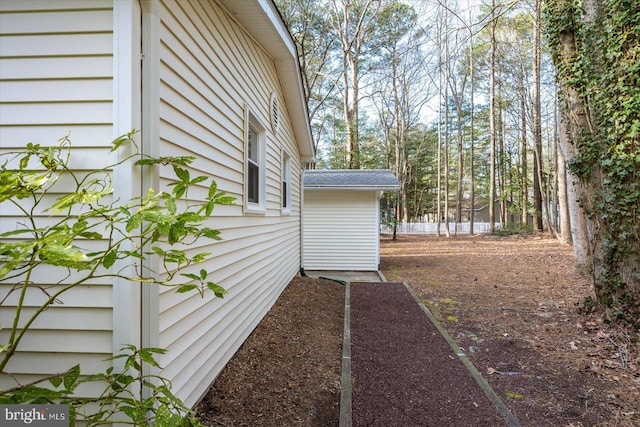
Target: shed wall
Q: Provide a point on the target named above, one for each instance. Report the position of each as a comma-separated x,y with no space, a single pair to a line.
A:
340,229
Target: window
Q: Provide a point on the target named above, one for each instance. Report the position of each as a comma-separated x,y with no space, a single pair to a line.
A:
286,183
254,166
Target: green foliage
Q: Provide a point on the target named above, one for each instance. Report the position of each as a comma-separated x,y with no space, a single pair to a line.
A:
156,405
588,305
602,65
513,228
159,224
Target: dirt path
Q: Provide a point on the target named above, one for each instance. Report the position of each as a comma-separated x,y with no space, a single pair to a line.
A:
404,373
511,304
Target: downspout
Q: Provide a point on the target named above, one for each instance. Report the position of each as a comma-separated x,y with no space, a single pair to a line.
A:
378,197
302,273
149,306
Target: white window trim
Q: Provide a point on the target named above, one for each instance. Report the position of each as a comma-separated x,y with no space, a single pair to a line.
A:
261,206
285,194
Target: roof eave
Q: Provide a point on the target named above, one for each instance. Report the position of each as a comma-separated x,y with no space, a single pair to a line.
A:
353,187
263,21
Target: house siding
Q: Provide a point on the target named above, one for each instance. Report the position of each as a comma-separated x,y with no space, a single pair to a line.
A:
56,78
57,65
340,230
211,72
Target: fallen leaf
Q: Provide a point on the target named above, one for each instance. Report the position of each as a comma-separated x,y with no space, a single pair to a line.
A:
573,346
491,371
613,364
514,395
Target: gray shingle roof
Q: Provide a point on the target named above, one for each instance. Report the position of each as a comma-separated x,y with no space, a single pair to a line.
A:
354,179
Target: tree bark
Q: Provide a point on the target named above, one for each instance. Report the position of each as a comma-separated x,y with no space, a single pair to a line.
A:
447,231
523,159
502,161
472,201
492,123
605,182
577,217
351,35
537,125
563,196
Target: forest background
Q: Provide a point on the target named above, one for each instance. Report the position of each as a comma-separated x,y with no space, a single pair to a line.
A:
528,109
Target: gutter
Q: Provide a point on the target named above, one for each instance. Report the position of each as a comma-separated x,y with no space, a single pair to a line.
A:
353,187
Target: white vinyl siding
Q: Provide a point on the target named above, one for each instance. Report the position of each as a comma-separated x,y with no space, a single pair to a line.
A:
340,230
56,79
211,71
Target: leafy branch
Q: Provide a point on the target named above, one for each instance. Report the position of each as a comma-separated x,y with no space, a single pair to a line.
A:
160,224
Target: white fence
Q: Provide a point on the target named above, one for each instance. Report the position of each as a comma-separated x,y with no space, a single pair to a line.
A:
432,228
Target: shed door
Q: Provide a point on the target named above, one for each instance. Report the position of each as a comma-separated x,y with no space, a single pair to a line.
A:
340,230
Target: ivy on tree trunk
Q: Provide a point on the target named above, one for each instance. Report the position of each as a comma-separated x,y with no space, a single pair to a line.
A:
596,49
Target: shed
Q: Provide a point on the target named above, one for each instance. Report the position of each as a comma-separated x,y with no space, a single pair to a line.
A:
341,218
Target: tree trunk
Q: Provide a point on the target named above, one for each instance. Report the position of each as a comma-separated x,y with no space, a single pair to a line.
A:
459,186
447,232
492,124
472,201
439,165
523,159
352,36
601,144
502,162
577,217
351,113
537,126
563,197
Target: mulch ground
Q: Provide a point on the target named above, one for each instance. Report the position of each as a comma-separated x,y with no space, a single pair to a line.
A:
404,373
513,304
287,373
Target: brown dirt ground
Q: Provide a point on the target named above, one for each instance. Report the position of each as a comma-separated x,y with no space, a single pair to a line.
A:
287,373
512,303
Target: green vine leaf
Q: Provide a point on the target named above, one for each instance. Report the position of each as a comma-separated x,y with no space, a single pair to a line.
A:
71,379
219,291
64,256
110,258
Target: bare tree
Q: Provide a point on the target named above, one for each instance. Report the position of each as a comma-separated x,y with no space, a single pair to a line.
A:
492,122
537,126
308,22
352,21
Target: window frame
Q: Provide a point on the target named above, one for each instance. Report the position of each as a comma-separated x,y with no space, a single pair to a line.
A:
285,183
257,163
